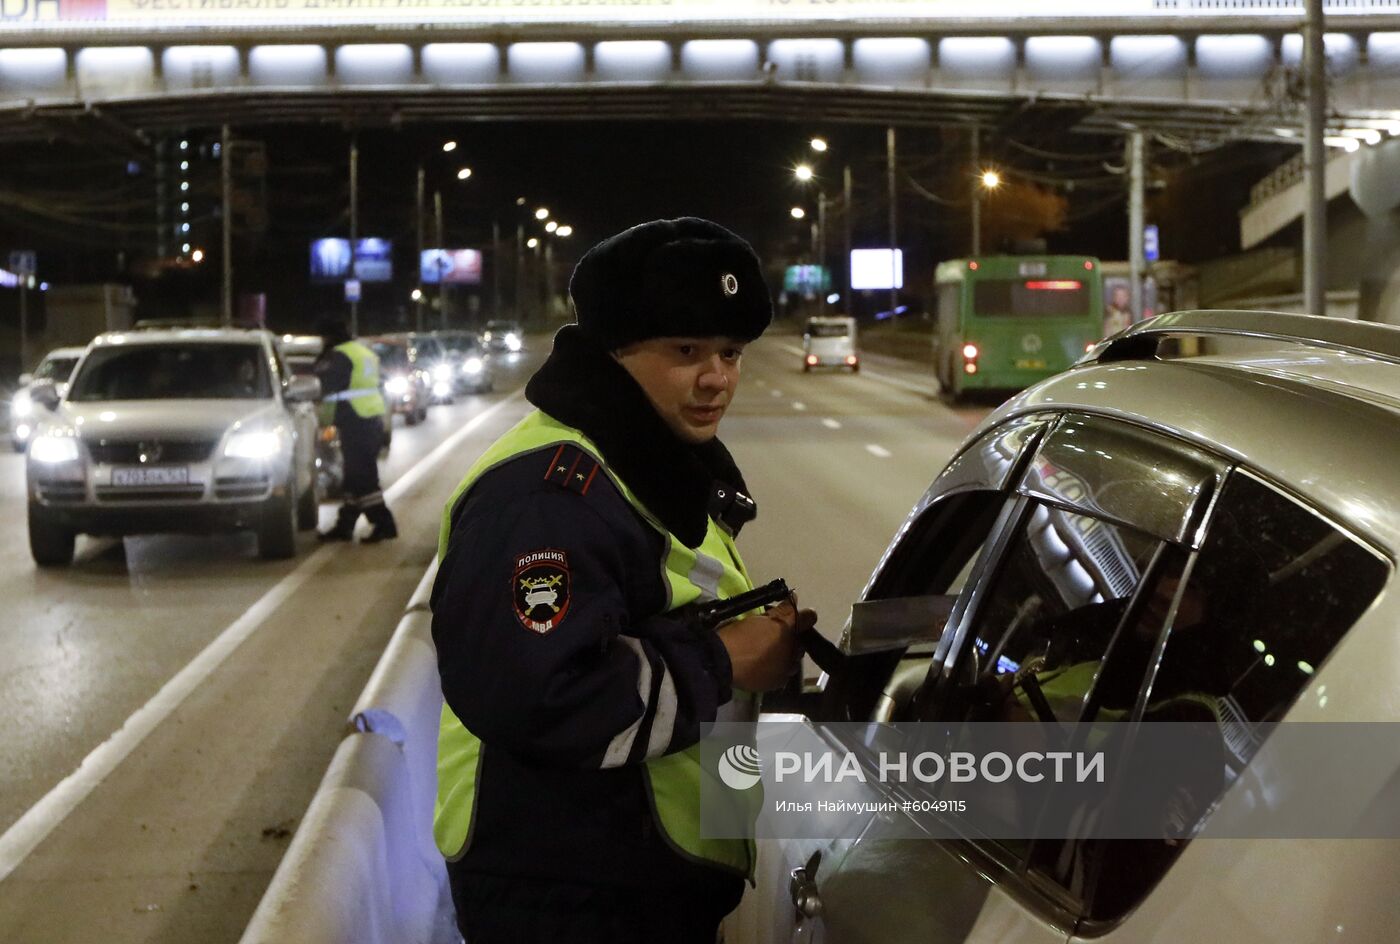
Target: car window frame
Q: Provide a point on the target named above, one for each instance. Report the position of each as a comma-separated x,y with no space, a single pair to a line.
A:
1035,890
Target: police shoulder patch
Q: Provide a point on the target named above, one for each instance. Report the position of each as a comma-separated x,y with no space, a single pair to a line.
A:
540,589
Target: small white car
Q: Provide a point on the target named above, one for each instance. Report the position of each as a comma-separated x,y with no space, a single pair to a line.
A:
174,430
56,367
1196,523
830,342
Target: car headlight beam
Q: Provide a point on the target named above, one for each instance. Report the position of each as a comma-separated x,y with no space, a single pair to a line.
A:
260,444
21,406
472,365
52,450
396,386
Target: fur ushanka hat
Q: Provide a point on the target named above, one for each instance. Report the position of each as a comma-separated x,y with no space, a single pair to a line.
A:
686,277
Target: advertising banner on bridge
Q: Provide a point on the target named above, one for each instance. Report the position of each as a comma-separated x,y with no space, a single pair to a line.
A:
148,13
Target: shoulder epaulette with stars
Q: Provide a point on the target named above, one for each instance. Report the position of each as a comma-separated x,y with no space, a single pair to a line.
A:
572,468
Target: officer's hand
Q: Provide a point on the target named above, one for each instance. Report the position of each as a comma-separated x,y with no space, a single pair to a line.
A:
763,650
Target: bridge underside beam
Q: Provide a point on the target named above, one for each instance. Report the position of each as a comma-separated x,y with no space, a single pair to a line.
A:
765,102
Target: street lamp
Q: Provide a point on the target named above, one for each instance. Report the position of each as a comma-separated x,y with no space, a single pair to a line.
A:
798,213
449,146
551,226
532,242
803,172
565,231
464,173
542,214
991,180
197,255
819,145
416,295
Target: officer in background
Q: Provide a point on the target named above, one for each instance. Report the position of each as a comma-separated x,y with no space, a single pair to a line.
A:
575,681
349,374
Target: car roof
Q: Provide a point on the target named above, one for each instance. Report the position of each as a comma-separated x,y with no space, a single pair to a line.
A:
1310,409
65,352
181,335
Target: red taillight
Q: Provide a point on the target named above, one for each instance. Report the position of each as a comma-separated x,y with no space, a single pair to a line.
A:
970,367
851,359
970,352
1089,263
973,265
812,359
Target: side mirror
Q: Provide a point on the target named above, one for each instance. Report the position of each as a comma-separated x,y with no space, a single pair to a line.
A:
45,394
896,623
25,379
304,389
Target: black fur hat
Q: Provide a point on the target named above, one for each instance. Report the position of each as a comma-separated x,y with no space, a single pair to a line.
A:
670,278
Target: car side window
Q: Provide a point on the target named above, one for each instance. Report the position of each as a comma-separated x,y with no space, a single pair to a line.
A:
1273,590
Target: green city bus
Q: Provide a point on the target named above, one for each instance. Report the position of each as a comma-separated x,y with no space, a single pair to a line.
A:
1005,322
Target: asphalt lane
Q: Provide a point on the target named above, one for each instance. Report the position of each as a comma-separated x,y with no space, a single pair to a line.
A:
177,840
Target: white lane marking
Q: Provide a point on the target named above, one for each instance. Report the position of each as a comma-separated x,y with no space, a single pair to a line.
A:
830,423
798,405
927,390
43,817
880,451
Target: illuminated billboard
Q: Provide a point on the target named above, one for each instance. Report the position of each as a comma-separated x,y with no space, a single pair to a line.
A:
452,266
332,260
807,279
877,268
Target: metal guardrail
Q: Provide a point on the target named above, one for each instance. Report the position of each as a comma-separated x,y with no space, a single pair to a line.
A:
362,866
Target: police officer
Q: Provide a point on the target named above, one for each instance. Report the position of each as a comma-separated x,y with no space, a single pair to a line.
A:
575,683
349,374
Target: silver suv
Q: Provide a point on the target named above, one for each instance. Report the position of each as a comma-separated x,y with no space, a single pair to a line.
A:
174,430
1196,524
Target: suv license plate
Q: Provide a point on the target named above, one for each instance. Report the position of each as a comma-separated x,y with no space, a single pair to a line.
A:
1030,364
151,475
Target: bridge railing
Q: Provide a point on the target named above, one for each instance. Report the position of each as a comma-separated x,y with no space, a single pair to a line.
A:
362,866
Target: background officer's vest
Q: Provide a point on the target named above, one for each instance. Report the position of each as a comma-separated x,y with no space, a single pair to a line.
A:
712,571
363,393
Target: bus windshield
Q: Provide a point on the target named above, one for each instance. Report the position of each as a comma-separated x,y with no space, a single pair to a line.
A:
1039,297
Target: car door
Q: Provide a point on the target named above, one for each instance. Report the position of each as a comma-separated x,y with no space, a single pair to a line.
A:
936,551
304,424
1087,544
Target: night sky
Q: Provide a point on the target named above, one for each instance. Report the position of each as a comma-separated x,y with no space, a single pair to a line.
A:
600,177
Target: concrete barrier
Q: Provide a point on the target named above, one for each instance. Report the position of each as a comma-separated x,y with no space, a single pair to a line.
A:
362,866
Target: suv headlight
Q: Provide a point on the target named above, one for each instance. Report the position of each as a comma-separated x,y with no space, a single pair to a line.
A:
472,365
512,342
21,406
260,444
51,450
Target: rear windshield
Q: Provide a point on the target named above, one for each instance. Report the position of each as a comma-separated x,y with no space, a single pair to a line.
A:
828,329
173,372
503,326
1044,297
55,368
